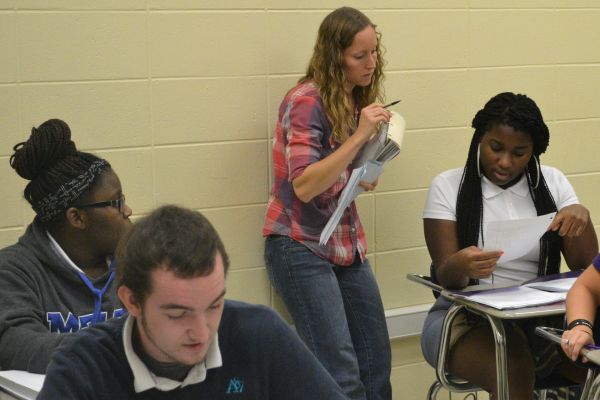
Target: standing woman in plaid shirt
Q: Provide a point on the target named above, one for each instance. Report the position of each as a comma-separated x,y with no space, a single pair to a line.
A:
330,290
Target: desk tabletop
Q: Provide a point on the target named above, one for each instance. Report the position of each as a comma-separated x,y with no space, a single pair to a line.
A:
557,308
20,385
7,396
510,313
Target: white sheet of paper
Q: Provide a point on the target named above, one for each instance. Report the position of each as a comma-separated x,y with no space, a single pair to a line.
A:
516,237
370,171
515,297
556,285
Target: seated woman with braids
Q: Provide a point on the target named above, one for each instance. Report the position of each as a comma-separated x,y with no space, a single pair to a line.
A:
502,180
58,278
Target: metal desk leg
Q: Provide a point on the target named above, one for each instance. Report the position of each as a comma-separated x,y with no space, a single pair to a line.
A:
444,346
589,381
450,383
501,365
594,390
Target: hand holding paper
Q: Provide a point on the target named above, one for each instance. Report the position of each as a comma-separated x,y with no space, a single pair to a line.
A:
476,263
384,145
381,148
367,173
571,221
368,186
516,237
370,120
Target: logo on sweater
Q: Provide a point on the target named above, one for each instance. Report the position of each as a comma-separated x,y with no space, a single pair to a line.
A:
236,385
59,324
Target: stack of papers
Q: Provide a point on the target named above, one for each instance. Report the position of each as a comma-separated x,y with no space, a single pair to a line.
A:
545,290
514,297
382,147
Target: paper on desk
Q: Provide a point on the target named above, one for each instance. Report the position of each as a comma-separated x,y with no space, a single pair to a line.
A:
514,297
516,237
556,285
367,173
22,383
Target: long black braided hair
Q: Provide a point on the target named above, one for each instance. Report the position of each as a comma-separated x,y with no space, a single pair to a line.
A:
49,159
522,114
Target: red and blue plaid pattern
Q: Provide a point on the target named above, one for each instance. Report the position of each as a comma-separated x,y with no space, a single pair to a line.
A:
303,137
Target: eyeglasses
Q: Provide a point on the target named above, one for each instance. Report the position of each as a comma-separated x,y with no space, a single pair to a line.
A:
119,204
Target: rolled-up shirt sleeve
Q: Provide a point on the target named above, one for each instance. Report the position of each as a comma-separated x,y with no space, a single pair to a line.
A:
305,135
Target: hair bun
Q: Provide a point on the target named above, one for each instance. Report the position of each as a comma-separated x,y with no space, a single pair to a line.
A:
48,144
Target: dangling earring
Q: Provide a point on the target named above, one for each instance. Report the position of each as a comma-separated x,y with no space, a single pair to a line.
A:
538,172
478,167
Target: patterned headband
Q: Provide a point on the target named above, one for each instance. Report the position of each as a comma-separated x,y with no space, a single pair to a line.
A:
53,204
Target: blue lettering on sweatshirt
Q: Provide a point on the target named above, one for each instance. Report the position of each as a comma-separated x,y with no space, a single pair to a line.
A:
59,324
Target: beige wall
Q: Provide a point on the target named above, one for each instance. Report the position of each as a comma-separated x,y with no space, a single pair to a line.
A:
180,96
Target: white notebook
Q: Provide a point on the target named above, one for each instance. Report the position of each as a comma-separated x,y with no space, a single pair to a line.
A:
22,384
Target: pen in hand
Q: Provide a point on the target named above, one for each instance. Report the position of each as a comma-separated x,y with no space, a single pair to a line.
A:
393,103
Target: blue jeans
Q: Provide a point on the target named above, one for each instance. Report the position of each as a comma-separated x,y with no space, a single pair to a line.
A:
338,313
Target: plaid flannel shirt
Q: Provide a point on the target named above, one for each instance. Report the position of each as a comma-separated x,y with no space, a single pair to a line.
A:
303,137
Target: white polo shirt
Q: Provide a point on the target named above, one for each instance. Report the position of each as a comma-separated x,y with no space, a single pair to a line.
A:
144,380
499,205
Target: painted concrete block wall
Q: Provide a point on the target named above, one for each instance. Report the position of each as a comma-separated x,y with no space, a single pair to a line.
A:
181,96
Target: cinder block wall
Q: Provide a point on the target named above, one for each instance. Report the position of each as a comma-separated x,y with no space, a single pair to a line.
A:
181,97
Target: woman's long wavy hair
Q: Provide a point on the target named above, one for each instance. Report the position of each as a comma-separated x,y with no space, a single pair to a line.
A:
522,114
336,34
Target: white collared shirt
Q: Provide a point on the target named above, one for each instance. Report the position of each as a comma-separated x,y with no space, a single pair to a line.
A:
144,379
499,205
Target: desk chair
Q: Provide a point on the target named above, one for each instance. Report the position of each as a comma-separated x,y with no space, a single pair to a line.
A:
454,384
444,379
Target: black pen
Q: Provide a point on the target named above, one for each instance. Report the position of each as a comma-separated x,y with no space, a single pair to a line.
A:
393,103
